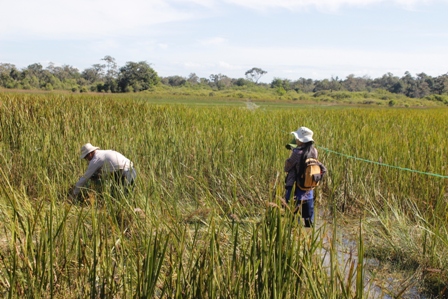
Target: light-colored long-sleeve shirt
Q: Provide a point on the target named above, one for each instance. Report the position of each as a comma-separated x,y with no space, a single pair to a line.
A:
103,162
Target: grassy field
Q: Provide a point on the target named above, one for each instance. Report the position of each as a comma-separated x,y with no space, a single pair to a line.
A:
204,219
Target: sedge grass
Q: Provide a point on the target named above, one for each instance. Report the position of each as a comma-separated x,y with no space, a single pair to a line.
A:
198,223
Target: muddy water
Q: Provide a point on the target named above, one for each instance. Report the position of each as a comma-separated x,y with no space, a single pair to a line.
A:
375,287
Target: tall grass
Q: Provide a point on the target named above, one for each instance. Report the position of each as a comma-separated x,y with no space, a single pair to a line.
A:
203,221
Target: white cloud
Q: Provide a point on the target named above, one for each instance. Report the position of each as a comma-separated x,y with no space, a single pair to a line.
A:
192,65
204,3
316,63
104,45
214,41
321,5
65,19
85,19
228,66
171,34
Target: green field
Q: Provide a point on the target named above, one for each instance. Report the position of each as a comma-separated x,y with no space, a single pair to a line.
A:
204,219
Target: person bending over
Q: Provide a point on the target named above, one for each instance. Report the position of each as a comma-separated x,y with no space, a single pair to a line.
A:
102,163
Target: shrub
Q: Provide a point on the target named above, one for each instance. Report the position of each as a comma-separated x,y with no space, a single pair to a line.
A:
280,91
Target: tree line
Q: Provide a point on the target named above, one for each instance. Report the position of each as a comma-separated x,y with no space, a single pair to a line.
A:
140,76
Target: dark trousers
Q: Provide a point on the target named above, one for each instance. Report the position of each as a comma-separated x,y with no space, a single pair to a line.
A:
304,202
307,207
288,192
120,182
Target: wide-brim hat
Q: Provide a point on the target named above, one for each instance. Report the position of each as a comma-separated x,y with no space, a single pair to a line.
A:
303,134
87,149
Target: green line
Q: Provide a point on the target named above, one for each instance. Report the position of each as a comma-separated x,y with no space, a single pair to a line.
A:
383,164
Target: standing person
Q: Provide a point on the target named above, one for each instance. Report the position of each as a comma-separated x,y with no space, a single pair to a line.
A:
295,164
103,162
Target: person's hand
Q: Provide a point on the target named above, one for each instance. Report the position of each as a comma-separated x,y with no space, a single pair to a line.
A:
317,177
71,197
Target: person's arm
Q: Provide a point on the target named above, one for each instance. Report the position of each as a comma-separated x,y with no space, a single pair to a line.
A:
323,169
291,162
91,170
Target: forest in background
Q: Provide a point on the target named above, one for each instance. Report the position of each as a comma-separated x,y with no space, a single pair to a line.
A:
108,77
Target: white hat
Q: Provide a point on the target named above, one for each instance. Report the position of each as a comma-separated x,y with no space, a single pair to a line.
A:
304,134
87,149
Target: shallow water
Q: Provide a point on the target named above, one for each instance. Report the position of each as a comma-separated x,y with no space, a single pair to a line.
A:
374,287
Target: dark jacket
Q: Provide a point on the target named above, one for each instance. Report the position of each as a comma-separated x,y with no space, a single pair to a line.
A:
292,164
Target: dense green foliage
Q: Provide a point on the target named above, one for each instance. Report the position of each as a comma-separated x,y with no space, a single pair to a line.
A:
140,76
204,220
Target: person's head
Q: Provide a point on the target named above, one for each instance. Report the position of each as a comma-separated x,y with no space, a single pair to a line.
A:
304,139
291,145
303,135
88,151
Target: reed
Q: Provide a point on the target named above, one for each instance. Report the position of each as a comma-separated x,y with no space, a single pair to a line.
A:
204,220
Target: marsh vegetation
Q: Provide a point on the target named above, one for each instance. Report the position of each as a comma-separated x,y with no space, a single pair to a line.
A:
204,220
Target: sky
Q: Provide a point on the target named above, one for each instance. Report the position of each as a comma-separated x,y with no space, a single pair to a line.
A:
289,39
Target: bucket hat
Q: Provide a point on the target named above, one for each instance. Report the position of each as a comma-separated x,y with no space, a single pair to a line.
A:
87,149
303,134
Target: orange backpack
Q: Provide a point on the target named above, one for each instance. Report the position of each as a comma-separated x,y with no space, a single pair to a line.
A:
311,177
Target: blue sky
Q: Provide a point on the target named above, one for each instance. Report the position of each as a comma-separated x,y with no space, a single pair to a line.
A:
290,39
